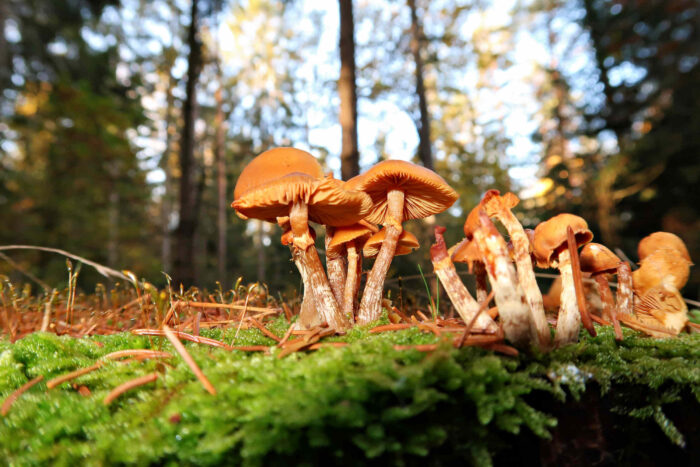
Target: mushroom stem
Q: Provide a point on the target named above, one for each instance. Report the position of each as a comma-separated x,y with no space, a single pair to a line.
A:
460,297
309,260
513,310
336,268
569,319
370,306
625,289
351,281
578,281
606,298
308,317
482,291
525,270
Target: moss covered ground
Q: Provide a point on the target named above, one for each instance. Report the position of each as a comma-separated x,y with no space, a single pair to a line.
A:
364,402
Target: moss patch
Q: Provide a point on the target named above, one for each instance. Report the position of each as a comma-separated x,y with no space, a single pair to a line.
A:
362,401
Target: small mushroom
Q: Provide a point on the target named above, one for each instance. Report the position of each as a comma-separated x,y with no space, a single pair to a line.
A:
460,297
303,198
553,247
665,265
600,262
399,191
406,243
500,208
513,309
349,241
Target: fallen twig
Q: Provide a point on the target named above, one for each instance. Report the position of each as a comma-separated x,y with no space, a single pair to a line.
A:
52,383
15,395
181,335
143,353
122,388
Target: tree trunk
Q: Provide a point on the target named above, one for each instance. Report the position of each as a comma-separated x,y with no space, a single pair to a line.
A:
424,147
184,234
220,180
349,156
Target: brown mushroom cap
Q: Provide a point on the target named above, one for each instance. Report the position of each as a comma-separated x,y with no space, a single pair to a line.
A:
406,243
472,222
425,192
659,240
597,258
359,232
663,265
550,236
327,202
273,164
467,252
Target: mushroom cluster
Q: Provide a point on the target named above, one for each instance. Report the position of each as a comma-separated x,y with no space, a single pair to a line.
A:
363,218
287,186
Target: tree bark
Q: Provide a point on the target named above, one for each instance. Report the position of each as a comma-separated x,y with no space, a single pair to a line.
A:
424,147
220,178
184,234
349,156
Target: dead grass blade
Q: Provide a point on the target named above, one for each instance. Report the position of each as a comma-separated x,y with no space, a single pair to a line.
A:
143,353
52,383
172,337
15,395
181,335
131,384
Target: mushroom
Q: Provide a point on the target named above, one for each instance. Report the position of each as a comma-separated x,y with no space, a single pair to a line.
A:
347,241
500,208
662,265
662,305
303,198
406,243
336,266
556,247
659,240
460,297
399,191
467,252
513,310
599,261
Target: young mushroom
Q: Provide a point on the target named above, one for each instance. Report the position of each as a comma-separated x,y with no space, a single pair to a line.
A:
399,191
513,310
556,244
460,297
500,207
303,198
468,253
348,241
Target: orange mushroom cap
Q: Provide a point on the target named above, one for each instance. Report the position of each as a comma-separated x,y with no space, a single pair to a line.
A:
472,222
663,265
327,203
550,236
467,252
273,164
287,237
406,243
359,232
425,192
598,259
659,240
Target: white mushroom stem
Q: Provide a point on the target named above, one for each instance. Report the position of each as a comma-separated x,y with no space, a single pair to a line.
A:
525,270
308,316
371,304
513,310
336,269
460,297
351,281
625,289
569,319
606,298
309,260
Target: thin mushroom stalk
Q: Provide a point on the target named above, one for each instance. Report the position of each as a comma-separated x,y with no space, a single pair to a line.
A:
309,260
568,320
460,297
578,281
370,306
308,316
513,310
499,207
335,265
625,289
351,281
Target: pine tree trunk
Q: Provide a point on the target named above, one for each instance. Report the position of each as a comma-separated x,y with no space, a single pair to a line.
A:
349,156
424,147
220,180
184,234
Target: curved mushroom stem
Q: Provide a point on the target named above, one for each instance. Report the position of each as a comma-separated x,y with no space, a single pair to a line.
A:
309,260
482,291
625,289
609,311
578,281
569,319
308,317
525,270
336,269
512,308
460,297
371,304
351,281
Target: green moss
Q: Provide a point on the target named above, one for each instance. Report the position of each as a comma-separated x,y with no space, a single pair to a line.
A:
363,401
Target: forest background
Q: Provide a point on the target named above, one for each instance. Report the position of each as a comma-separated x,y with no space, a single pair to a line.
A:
124,124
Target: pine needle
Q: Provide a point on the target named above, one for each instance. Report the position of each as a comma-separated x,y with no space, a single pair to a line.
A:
188,359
